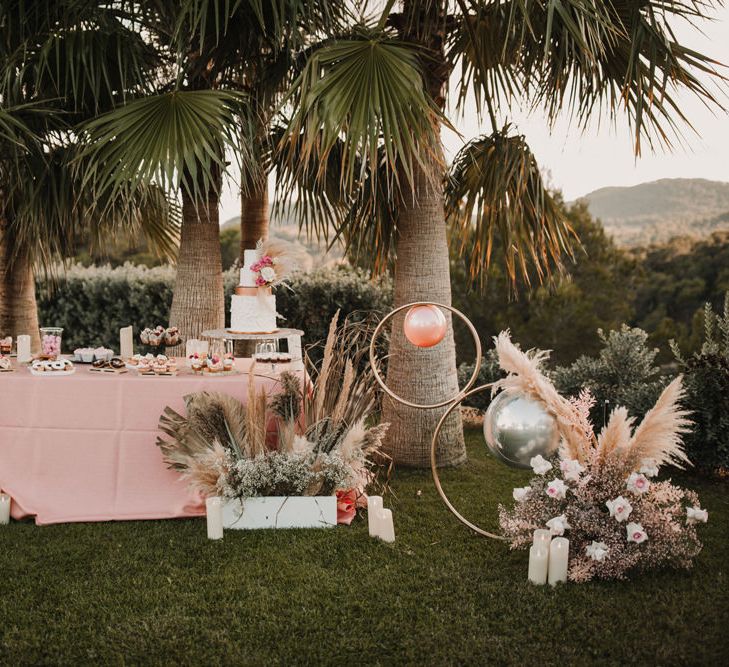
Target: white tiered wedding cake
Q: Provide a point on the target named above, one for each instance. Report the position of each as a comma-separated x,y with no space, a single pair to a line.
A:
253,307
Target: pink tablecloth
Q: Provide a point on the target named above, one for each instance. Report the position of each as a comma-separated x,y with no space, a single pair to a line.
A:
82,447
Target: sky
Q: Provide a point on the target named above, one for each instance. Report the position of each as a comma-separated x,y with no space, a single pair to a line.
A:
578,162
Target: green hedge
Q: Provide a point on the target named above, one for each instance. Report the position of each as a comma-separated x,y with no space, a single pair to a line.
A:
93,303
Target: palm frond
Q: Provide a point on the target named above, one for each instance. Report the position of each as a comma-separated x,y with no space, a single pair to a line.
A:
175,140
495,196
628,62
360,96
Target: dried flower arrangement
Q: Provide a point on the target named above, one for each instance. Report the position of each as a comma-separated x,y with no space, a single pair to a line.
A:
598,489
276,261
324,442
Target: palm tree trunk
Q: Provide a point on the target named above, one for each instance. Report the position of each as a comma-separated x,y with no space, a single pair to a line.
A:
18,308
253,217
198,302
422,273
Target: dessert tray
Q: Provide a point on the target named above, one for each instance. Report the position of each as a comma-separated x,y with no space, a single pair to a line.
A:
48,368
149,365
212,365
115,366
90,355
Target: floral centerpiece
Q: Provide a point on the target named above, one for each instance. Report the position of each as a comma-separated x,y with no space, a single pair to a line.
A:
276,261
323,443
601,489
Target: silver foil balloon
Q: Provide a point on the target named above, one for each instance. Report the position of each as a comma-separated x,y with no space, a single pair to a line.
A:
517,428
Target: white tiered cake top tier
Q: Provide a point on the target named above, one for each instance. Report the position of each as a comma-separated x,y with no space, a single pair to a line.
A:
247,277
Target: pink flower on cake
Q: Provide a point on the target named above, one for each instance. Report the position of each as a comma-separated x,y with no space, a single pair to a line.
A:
619,508
636,533
556,489
696,515
637,483
261,281
558,525
571,469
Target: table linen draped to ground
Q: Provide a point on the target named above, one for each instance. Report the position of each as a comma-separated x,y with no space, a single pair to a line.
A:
82,447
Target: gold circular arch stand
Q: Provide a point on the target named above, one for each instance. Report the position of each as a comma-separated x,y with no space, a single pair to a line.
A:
424,406
434,467
453,402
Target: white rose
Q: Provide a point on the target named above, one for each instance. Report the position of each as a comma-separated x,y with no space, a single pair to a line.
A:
520,493
556,489
620,508
268,274
696,515
648,467
571,469
558,525
636,533
638,483
597,551
540,465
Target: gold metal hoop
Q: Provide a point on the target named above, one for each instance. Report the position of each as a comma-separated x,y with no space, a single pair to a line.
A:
434,468
460,395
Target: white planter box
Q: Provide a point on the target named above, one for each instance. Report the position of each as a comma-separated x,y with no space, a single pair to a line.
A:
281,512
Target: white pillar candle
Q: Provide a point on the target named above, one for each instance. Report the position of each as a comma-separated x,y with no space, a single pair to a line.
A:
385,526
538,564
374,505
542,538
23,346
4,509
214,508
559,551
126,342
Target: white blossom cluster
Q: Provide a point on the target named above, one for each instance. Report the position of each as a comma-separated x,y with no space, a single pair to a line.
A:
285,474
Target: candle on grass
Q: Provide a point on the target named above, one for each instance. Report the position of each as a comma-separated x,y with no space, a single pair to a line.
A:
538,564
4,509
385,525
214,508
374,505
542,538
559,551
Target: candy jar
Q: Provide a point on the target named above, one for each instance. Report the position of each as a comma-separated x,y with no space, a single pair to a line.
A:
51,342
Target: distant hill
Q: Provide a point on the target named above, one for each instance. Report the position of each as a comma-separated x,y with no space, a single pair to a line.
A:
658,211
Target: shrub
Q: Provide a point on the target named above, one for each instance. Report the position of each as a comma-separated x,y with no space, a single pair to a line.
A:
706,378
93,303
623,373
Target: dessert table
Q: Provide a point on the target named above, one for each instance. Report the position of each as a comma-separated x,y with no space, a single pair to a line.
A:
82,447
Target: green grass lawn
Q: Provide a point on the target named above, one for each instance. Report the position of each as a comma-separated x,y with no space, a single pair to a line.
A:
158,592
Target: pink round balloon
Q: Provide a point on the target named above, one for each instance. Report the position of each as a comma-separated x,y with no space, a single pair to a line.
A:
425,326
